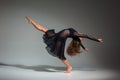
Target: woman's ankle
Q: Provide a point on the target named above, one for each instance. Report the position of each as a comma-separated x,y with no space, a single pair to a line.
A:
68,70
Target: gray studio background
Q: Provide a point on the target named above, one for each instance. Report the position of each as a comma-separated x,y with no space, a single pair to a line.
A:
22,44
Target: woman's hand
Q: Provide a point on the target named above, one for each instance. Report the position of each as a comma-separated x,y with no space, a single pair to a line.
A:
86,49
80,38
100,40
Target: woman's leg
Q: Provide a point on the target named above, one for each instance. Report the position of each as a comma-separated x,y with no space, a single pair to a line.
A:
37,26
67,64
60,46
60,53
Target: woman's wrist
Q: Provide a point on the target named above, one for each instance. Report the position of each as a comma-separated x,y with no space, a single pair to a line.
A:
86,49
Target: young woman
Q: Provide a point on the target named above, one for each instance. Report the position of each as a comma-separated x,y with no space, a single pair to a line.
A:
56,42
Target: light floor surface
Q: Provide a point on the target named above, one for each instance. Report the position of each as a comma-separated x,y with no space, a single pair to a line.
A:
47,72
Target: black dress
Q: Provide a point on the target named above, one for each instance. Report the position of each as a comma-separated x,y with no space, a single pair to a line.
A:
56,41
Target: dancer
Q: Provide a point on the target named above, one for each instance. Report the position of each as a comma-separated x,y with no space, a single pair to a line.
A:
56,42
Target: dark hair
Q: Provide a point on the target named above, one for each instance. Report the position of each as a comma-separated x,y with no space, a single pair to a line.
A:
74,47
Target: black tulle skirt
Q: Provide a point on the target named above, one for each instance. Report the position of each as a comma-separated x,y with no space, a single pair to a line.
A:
55,43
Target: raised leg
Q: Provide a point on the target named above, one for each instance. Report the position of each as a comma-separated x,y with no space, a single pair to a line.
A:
37,26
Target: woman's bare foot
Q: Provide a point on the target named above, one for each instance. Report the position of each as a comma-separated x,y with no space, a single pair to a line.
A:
68,70
69,67
29,19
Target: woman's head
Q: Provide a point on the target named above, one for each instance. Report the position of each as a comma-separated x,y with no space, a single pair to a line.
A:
74,47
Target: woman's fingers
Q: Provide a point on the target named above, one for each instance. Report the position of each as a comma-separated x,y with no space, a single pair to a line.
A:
100,40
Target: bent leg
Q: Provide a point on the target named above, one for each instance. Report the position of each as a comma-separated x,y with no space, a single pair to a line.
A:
60,46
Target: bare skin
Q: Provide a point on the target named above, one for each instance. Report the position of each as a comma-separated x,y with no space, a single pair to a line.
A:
43,29
86,49
68,66
100,40
37,26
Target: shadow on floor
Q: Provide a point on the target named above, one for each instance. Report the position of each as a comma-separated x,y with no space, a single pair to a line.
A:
43,68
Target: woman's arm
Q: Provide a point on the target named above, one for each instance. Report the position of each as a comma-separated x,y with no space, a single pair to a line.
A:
86,49
37,26
88,36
